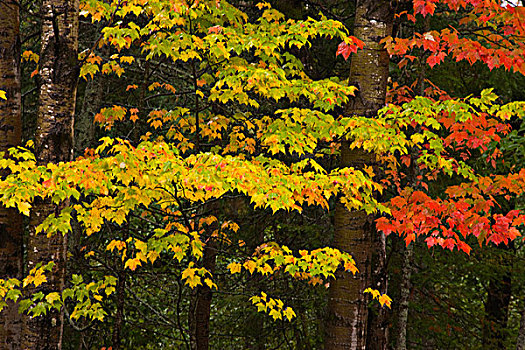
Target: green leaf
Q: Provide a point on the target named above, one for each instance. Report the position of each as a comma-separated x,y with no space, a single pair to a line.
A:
24,305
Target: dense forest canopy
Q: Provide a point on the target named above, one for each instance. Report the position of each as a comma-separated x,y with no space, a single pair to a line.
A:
262,175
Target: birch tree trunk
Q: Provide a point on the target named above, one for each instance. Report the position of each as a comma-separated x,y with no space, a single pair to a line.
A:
53,143
347,307
402,318
11,227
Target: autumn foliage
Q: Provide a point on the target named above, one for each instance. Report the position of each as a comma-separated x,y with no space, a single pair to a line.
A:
246,120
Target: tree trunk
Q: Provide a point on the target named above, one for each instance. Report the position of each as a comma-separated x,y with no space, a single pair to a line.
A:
84,121
347,306
204,298
53,143
520,343
377,335
11,227
402,318
200,310
119,315
497,304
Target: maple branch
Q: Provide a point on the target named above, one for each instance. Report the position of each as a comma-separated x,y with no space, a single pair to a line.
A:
73,325
148,305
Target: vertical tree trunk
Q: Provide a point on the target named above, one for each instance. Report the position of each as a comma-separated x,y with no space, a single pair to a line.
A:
11,227
520,342
377,334
204,298
119,315
91,104
497,304
347,306
200,308
402,318
53,143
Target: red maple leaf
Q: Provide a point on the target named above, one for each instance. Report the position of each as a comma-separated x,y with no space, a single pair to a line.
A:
345,50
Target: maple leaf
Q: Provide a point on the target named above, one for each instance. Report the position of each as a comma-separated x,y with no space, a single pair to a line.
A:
132,264
210,283
53,297
215,29
289,313
435,59
385,300
24,207
345,50
249,265
263,4
201,82
424,7
234,267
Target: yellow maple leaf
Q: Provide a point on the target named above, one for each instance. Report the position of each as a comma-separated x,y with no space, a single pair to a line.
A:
188,272
39,278
116,244
127,59
385,300
265,269
375,293
191,279
132,264
276,314
289,313
52,297
250,265
262,4
234,267
23,207
210,283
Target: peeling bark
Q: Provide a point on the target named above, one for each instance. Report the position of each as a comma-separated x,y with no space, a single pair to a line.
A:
347,306
53,143
11,226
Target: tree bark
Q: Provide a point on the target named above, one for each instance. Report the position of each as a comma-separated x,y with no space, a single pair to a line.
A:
520,341
200,310
84,121
119,314
204,298
347,306
53,143
402,318
11,226
497,305
377,335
